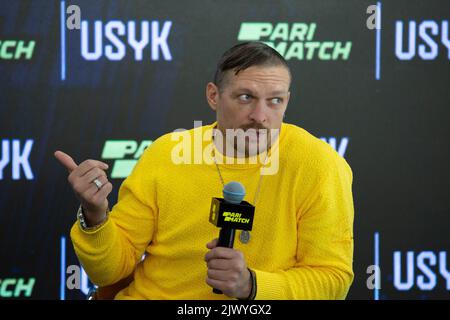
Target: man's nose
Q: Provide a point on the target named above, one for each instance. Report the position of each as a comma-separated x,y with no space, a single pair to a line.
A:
258,113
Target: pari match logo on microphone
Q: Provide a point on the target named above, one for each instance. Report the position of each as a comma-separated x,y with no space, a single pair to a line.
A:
295,41
235,217
230,215
231,211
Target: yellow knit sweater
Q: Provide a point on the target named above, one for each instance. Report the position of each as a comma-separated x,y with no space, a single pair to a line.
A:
301,245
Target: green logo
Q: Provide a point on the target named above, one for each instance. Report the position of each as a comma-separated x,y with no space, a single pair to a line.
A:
295,40
12,287
126,153
15,50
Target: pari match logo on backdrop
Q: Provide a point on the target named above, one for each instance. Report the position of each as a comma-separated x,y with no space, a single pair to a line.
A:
12,49
124,154
295,41
111,40
16,287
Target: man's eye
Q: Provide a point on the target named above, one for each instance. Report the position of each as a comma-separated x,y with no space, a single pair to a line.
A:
276,101
244,97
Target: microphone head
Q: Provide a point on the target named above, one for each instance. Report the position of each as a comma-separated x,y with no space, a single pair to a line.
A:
234,192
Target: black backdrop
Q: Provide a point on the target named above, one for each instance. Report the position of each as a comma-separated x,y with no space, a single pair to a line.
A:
390,124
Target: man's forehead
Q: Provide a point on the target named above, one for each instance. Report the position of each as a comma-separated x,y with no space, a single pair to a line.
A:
263,72
272,86
273,78
253,89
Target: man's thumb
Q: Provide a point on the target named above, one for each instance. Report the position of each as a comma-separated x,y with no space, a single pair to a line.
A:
66,160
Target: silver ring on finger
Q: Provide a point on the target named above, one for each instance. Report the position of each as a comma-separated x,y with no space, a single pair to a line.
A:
98,183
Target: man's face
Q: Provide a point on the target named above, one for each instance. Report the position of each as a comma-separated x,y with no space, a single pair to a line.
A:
255,98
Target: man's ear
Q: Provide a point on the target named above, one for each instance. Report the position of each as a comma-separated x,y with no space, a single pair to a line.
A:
212,93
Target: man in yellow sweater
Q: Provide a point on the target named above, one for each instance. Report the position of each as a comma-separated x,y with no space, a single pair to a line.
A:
301,244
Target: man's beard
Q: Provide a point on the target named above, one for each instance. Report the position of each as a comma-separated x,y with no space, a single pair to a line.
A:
251,141
248,141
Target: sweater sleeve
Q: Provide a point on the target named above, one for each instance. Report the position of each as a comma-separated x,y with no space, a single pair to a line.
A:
323,268
111,253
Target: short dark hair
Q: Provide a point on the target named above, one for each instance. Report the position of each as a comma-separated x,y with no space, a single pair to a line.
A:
247,54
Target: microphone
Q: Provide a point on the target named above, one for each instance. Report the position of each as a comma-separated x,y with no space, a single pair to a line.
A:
230,214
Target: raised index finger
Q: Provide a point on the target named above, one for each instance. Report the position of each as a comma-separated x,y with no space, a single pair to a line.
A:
66,160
